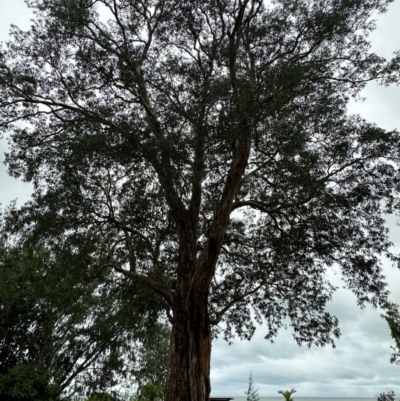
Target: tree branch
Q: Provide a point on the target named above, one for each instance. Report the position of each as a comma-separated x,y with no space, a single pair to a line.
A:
235,299
160,288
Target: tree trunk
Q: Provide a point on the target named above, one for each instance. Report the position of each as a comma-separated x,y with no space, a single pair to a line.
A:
190,347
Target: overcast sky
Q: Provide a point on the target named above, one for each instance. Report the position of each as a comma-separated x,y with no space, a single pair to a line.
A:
359,366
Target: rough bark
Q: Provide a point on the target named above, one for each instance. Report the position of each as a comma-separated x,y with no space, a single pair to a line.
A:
190,348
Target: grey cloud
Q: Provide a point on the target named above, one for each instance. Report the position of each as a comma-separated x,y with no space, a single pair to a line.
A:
359,366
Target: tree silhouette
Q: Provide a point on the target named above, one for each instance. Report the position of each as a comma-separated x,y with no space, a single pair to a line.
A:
252,393
204,149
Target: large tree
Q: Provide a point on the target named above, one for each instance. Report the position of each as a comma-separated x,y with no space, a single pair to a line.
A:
204,148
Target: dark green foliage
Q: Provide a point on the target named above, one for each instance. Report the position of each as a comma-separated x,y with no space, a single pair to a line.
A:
152,358
101,397
150,392
392,317
27,382
64,324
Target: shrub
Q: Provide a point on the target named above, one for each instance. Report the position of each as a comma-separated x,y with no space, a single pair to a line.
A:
388,396
150,392
27,382
101,397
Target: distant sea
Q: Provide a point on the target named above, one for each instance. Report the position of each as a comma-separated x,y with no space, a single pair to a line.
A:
243,398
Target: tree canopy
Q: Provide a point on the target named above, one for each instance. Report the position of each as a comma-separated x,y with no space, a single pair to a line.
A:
204,149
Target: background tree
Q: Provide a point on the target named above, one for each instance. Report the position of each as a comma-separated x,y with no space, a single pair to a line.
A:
71,333
203,149
151,359
387,396
101,397
26,329
28,381
252,393
287,394
150,392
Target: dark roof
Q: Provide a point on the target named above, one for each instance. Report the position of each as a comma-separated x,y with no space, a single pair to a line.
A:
220,399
